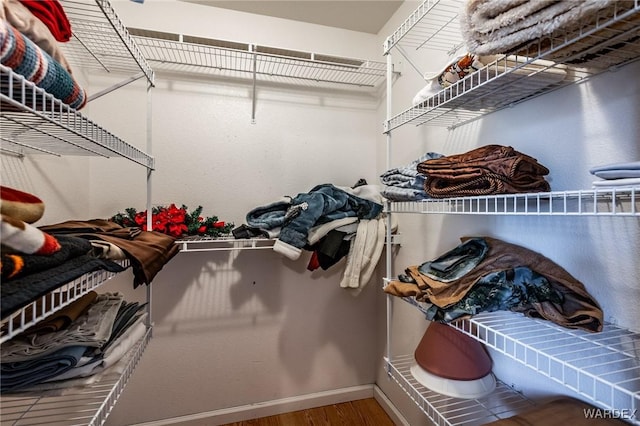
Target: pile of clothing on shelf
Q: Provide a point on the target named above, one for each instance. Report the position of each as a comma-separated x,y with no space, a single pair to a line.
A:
30,33
487,170
618,175
484,274
75,346
528,27
331,222
527,42
37,260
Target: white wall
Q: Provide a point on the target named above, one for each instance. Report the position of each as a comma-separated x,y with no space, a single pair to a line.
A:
243,328
238,328
568,131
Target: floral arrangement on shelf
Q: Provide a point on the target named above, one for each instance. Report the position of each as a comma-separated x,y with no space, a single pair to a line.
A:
174,221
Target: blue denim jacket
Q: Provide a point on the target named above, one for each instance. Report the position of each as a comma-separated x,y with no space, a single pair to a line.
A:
324,203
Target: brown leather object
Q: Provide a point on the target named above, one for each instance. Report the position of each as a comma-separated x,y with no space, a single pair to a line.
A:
564,411
490,169
449,353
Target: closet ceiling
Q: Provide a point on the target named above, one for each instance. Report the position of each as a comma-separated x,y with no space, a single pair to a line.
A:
356,15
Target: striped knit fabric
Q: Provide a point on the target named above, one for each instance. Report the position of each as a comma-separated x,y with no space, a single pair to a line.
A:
27,59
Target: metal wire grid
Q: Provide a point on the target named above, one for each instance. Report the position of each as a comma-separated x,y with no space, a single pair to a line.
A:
180,53
444,410
505,82
100,40
434,25
89,405
46,305
613,40
603,367
34,122
596,202
194,244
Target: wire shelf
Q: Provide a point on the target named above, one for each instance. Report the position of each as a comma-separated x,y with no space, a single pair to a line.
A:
444,410
89,405
100,40
203,243
613,40
603,367
433,25
46,305
34,122
190,54
199,243
622,201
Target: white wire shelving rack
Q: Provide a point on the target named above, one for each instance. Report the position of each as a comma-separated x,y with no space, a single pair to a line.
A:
88,405
203,243
602,367
602,370
185,53
37,310
198,243
596,202
102,42
34,122
444,410
609,42
248,62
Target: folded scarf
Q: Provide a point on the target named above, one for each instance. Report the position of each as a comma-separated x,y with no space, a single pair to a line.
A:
52,14
22,55
491,169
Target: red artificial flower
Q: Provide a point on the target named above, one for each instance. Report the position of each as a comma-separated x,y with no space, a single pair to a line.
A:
218,225
202,229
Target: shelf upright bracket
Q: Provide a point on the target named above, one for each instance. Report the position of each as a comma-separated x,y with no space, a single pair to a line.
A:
252,48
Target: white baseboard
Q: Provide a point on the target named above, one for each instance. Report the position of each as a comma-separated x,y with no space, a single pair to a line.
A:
270,408
389,407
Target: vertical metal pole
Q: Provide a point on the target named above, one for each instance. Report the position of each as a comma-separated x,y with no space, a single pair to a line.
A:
255,68
389,269
149,187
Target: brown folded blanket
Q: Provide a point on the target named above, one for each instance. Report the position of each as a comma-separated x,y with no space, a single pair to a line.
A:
490,169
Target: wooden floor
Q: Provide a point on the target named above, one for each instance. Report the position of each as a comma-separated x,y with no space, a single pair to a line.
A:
365,412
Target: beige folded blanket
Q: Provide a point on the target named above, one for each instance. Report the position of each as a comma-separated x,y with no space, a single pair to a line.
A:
513,26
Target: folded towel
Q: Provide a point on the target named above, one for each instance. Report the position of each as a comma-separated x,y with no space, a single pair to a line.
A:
621,170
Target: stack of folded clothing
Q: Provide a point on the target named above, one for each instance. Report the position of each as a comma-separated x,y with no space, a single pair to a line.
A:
404,183
30,33
73,346
619,175
34,262
491,169
484,274
525,27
